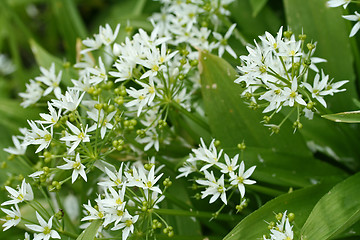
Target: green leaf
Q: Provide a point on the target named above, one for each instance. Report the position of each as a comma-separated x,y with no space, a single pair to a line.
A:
345,117
299,202
287,169
325,26
90,232
335,212
231,120
45,59
257,6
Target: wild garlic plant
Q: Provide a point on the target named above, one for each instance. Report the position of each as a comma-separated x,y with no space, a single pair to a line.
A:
280,72
219,174
106,118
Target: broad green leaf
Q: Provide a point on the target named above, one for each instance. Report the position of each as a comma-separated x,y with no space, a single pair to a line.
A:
325,26
257,6
90,232
335,212
345,117
287,169
45,59
231,120
299,202
337,140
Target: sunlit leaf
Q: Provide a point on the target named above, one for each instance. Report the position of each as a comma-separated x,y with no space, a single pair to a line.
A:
346,117
335,212
299,202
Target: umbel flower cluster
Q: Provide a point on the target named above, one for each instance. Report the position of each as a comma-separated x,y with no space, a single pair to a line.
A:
105,117
282,229
276,74
354,18
218,175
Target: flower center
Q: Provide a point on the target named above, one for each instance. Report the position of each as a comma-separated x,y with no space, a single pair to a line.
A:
117,182
76,165
128,223
149,184
118,201
81,135
46,230
20,197
293,94
100,215
47,137
240,179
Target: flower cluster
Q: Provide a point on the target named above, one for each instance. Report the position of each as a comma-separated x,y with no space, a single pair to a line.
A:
275,74
283,228
354,18
128,190
25,194
226,173
195,23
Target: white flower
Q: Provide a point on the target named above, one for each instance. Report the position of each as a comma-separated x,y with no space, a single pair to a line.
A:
332,88
149,181
107,36
116,199
215,187
317,90
242,179
223,42
283,230
92,44
337,3
101,122
292,95
13,217
99,74
27,236
50,79
51,118
32,94
78,167
189,167
25,193
355,18
143,96
19,148
231,164
94,213
44,228
127,224
115,179
37,136
151,139
70,100
208,155
78,137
